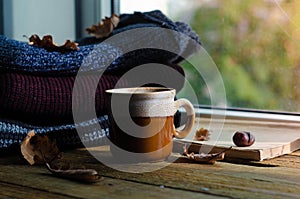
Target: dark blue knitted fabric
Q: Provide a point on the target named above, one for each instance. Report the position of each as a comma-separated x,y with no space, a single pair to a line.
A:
96,54
66,136
22,57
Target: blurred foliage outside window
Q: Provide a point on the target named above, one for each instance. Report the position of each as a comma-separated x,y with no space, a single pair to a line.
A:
255,45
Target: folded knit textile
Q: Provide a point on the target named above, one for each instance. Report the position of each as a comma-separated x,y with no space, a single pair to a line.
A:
100,54
44,100
12,133
36,84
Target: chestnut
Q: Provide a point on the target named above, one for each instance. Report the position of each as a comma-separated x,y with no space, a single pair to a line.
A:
243,138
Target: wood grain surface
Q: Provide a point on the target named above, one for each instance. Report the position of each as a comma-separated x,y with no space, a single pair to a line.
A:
176,177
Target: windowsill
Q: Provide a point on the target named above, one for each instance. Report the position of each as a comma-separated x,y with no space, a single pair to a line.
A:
247,114
276,133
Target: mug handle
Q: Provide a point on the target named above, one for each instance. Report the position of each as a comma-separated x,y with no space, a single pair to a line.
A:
190,112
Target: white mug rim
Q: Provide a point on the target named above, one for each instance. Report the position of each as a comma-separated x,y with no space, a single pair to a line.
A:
140,91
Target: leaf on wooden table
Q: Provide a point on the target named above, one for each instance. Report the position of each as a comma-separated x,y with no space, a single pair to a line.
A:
202,135
205,158
105,27
48,44
81,175
37,149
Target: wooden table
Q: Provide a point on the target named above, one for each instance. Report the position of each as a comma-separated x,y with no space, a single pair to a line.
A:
274,178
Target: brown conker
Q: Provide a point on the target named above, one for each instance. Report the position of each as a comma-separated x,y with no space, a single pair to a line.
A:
243,138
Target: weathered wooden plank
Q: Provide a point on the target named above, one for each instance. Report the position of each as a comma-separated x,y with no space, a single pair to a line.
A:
292,160
177,179
16,191
296,153
21,181
231,180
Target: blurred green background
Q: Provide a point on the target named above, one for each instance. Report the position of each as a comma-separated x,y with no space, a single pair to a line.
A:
255,46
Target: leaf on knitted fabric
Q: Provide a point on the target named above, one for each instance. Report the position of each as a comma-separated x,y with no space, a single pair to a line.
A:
26,149
37,149
105,27
48,44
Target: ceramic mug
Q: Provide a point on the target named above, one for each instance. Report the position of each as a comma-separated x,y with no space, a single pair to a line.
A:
142,122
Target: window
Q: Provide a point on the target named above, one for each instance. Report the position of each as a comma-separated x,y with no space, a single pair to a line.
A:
39,17
63,19
254,45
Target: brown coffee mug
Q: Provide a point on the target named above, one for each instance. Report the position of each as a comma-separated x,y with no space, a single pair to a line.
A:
142,122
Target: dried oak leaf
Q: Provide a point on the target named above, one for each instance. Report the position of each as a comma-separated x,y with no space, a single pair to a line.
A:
105,27
48,44
201,135
37,149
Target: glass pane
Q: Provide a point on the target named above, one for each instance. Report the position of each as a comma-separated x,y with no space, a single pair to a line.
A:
253,44
40,17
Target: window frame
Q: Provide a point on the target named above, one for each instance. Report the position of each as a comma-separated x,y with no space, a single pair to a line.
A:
247,114
1,17
91,12
87,12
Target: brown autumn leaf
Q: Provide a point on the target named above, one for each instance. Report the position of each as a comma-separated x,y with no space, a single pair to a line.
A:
48,44
63,168
205,158
81,175
202,135
105,27
26,148
37,149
